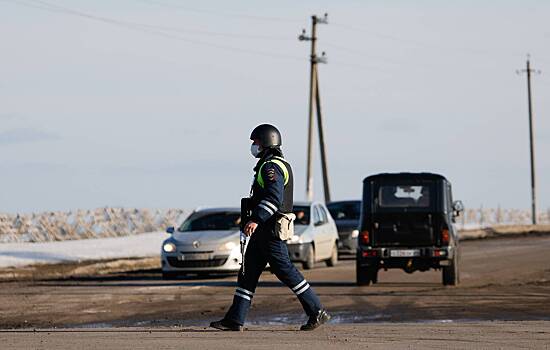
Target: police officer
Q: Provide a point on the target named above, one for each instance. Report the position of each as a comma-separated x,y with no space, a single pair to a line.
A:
271,195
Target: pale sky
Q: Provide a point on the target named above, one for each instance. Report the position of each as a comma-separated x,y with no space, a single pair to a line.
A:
145,103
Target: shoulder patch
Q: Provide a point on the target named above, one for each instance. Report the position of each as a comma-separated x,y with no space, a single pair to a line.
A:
272,171
271,174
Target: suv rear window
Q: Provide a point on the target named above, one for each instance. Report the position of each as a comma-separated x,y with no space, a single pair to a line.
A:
400,196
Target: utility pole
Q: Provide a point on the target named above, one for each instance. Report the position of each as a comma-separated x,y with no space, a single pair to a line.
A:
326,186
315,102
529,71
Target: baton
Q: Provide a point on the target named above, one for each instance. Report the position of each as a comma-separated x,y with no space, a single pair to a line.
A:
244,243
245,215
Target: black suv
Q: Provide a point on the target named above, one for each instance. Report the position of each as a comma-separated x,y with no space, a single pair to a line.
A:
346,216
407,223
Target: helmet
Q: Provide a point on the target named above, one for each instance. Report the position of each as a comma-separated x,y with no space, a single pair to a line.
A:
268,135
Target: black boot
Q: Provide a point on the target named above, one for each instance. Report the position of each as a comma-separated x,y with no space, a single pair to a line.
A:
316,321
227,325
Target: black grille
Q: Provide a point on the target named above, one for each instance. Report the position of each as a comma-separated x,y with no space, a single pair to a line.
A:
217,261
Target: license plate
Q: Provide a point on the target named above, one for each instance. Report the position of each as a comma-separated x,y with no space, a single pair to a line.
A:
404,253
198,256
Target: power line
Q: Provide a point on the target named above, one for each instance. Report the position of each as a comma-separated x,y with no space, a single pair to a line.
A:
467,50
475,51
363,54
173,34
150,29
49,6
383,59
161,31
222,13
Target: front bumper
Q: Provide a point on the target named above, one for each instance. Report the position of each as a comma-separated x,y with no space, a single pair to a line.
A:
298,251
218,261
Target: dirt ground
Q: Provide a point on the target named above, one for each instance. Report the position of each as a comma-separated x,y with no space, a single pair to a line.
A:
505,279
478,335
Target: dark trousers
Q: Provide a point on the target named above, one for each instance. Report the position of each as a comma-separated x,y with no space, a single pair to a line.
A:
263,248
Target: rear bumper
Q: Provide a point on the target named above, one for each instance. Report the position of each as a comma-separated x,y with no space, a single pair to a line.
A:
424,257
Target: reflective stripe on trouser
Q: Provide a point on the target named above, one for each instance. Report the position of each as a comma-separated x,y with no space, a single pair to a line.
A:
259,252
243,293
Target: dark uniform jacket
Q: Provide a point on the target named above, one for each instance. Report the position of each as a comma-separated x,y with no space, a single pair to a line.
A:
272,189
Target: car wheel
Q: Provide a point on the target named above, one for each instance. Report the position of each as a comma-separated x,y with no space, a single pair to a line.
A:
366,275
169,275
374,275
362,276
310,258
450,273
333,260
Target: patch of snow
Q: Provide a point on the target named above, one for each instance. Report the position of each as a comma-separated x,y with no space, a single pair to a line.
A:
134,246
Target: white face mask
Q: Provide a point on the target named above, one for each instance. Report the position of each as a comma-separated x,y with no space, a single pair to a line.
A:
255,150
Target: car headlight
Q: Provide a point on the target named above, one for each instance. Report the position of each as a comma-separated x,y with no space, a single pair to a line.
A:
296,239
169,247
228,246
354,233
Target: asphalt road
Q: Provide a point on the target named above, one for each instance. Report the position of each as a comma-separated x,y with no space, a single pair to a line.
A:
502,280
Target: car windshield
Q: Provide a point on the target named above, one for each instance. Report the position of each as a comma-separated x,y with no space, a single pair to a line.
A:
400,196
302,213
345,210
211,222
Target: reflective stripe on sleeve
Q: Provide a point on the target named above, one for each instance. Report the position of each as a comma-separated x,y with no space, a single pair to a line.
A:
269,204
266,208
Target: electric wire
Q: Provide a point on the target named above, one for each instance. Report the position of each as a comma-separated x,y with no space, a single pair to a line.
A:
160,31
222,13
361,53
45,5
150,29
391,61
173,33
466,50
421,44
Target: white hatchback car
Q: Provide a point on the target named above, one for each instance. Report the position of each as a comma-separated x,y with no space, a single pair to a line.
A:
315,235
206,242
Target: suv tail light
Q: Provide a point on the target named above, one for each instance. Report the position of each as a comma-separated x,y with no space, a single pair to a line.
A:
445,238
364,237
370,254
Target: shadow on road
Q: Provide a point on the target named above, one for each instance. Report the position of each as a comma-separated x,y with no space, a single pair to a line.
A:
227,281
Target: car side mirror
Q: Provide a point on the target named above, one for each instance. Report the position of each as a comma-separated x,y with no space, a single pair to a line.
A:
458,208
318,223
170,230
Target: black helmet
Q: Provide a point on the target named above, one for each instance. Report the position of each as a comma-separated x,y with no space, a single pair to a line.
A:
268,135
